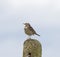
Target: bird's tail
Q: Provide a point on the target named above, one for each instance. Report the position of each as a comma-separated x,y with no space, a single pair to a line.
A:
37,34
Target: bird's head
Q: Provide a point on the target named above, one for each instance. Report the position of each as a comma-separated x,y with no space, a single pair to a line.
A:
27,24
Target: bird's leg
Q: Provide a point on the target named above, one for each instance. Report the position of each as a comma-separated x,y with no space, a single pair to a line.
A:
29,37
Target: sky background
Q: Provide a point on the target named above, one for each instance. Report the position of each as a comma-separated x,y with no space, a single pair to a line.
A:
43,15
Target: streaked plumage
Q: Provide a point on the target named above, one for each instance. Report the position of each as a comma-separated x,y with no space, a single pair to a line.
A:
29,30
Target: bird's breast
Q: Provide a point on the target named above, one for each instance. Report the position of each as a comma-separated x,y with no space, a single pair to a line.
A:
27,31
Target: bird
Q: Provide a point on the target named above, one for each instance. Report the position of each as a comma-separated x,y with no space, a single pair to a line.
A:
29,30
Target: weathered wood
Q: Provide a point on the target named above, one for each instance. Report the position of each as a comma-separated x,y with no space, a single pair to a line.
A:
32,48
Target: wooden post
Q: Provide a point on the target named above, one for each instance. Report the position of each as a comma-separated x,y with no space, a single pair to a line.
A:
32,48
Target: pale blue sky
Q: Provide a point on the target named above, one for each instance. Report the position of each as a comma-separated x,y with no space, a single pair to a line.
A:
43,15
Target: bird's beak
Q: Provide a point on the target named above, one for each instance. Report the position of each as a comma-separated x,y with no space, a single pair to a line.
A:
24,24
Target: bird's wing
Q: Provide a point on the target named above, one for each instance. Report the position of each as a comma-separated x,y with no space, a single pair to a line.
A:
31,29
